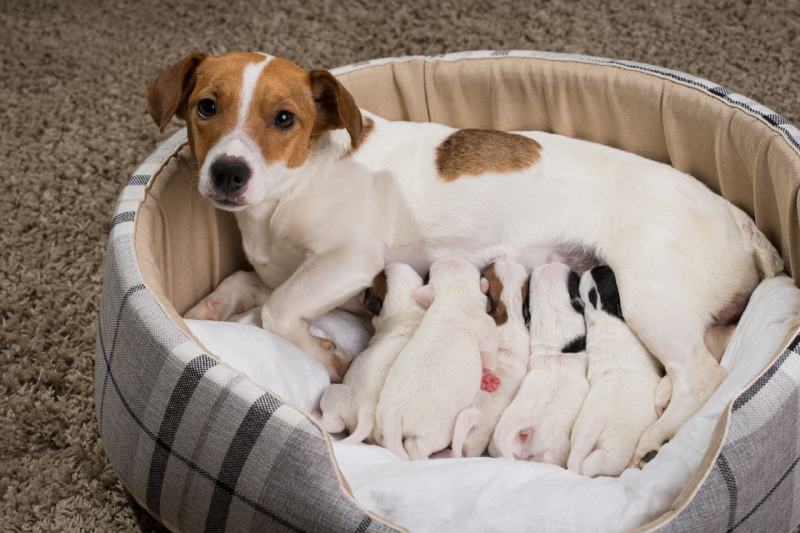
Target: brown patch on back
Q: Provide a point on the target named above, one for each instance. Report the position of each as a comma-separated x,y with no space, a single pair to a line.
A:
497,309
375,294
472,152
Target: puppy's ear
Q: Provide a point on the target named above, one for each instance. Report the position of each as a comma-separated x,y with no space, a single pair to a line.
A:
424,296
167,94
335,107
484,285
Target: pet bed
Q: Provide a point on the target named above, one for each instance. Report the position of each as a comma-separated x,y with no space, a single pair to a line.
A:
202,447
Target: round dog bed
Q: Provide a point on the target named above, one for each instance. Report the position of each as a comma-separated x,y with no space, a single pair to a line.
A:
203,448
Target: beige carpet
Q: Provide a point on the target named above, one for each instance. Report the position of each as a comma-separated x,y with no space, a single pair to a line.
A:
74,125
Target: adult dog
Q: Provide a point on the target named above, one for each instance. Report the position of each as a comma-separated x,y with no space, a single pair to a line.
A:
326,194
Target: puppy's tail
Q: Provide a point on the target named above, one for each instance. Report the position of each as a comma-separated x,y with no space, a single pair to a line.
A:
393,437
767,259
336,400
465,422
513,434
584,440
364,425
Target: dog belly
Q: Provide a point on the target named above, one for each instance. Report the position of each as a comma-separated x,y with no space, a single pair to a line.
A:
420,257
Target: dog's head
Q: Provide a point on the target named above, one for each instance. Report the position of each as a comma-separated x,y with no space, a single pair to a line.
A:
599,292
251,119
508,292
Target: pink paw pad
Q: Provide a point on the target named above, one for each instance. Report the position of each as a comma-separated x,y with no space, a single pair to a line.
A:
489,381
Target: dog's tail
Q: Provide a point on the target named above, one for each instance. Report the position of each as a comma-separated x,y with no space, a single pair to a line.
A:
767,259
513,434
465,422
364,425
583,444
393,436
336,400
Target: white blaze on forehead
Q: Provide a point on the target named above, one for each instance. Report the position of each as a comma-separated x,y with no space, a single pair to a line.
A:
252,71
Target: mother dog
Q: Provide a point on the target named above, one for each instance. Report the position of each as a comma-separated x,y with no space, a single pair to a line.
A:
326,194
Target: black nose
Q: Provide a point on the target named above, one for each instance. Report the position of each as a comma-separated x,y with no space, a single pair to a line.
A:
230,174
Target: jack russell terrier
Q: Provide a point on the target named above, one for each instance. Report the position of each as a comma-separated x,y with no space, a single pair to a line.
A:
326,194
508,305
440,371
352,404
623,379
537,424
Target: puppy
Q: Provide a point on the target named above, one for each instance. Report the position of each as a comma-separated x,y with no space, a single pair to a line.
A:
508,305
351,404
623,376
439,372
537,424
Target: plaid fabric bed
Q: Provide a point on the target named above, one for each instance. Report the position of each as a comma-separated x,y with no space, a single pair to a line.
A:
204,449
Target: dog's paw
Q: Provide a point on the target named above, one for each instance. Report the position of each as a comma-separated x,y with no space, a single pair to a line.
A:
212,307
649,444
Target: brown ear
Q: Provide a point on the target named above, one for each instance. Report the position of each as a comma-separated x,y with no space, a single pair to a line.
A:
335,106
167,94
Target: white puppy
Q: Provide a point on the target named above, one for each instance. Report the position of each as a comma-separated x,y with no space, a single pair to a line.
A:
508,305
537,424
439,372
623,376
352,404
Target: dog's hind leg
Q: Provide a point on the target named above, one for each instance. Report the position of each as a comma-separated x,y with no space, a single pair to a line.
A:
671,322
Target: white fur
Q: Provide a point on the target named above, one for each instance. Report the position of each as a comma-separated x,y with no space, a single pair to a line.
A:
439,372
537,424
352,404
474,426
620,405
326,228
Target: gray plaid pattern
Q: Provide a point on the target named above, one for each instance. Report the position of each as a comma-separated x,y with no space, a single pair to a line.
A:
204,449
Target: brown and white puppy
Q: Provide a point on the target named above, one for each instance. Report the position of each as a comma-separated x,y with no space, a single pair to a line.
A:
326,194
351,405
439,372
536,425
508,304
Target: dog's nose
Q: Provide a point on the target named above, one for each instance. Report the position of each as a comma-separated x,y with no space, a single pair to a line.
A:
230,174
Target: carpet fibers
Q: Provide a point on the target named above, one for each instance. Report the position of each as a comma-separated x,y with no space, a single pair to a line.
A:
74,125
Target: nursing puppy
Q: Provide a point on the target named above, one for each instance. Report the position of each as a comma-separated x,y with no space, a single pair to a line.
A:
536,425
439,371
351,405
325,195
623,376
508,305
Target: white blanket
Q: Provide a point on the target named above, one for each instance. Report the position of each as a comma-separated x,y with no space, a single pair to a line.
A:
486,494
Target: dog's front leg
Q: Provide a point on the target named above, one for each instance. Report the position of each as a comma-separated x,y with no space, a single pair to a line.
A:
321,283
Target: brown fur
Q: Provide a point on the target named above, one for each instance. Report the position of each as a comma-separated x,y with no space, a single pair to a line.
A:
379,286
369,125
497,309
319,102
472,152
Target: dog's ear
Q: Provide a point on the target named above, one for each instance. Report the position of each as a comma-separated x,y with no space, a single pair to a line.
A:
424,296
167,94
335,107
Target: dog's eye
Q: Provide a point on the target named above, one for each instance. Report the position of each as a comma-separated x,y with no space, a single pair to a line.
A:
206,108
283,119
